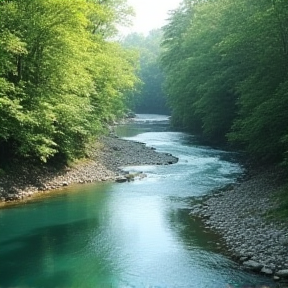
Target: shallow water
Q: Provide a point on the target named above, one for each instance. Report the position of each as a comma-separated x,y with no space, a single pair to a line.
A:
136,234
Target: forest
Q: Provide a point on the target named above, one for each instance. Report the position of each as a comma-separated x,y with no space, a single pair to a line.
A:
62,77
226,73
221,66
150,96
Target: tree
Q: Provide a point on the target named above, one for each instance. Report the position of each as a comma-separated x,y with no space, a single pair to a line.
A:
225,66
54,55
150,97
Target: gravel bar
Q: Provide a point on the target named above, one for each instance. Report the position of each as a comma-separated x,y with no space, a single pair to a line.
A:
103,164
239,215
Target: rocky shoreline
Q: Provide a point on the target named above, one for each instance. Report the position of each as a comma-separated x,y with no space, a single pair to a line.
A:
103,164
238,214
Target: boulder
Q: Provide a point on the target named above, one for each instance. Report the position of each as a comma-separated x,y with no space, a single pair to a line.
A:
266,271
11,197
253,265
282,273
121,179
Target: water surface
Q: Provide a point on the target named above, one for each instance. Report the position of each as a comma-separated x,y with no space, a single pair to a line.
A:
136,234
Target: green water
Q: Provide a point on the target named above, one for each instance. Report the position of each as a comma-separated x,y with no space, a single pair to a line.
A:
136,234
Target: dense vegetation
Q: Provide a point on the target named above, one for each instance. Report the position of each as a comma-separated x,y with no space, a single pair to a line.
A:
61,75
150,97
226,66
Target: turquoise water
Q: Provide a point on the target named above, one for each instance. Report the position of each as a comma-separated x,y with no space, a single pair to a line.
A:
136,234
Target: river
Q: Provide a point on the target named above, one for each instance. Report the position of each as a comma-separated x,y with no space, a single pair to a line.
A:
136,234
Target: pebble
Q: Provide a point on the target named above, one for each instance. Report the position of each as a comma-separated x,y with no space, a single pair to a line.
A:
266,271
238,215
253,265
282,273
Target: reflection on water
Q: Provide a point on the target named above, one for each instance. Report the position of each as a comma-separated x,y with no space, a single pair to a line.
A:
137,234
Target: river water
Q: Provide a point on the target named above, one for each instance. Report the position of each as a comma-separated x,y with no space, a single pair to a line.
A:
136,234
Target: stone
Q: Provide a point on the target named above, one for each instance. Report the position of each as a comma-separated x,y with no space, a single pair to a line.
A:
253,265
250,254
266,271
121,179
65,183
282,273
130,177
142,175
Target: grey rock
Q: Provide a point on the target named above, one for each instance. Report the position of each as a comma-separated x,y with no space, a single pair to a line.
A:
142,175
253,265
282,273
266,271
121,179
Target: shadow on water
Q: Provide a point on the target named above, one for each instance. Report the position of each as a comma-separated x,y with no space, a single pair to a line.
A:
38,251
51,243
187,227
195,236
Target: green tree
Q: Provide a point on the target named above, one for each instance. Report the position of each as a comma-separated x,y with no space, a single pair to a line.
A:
55,62
225,66
260,125
150,98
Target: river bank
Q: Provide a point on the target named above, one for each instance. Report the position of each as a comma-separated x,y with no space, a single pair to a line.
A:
103,164
239,215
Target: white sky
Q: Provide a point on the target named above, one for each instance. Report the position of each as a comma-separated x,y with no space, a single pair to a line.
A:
150,14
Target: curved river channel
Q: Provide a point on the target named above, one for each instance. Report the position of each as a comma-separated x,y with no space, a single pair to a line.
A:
136,234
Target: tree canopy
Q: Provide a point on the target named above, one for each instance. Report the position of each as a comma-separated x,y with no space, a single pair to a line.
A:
149,97
61,76
226,70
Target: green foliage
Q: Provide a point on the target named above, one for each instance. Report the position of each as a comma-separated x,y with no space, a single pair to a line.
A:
226,73
150,97
114,72
60,79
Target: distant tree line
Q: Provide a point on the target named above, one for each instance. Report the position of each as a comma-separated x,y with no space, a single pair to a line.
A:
149,97
61,76
226,69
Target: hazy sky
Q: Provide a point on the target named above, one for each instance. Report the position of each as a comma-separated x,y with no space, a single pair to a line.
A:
150,14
